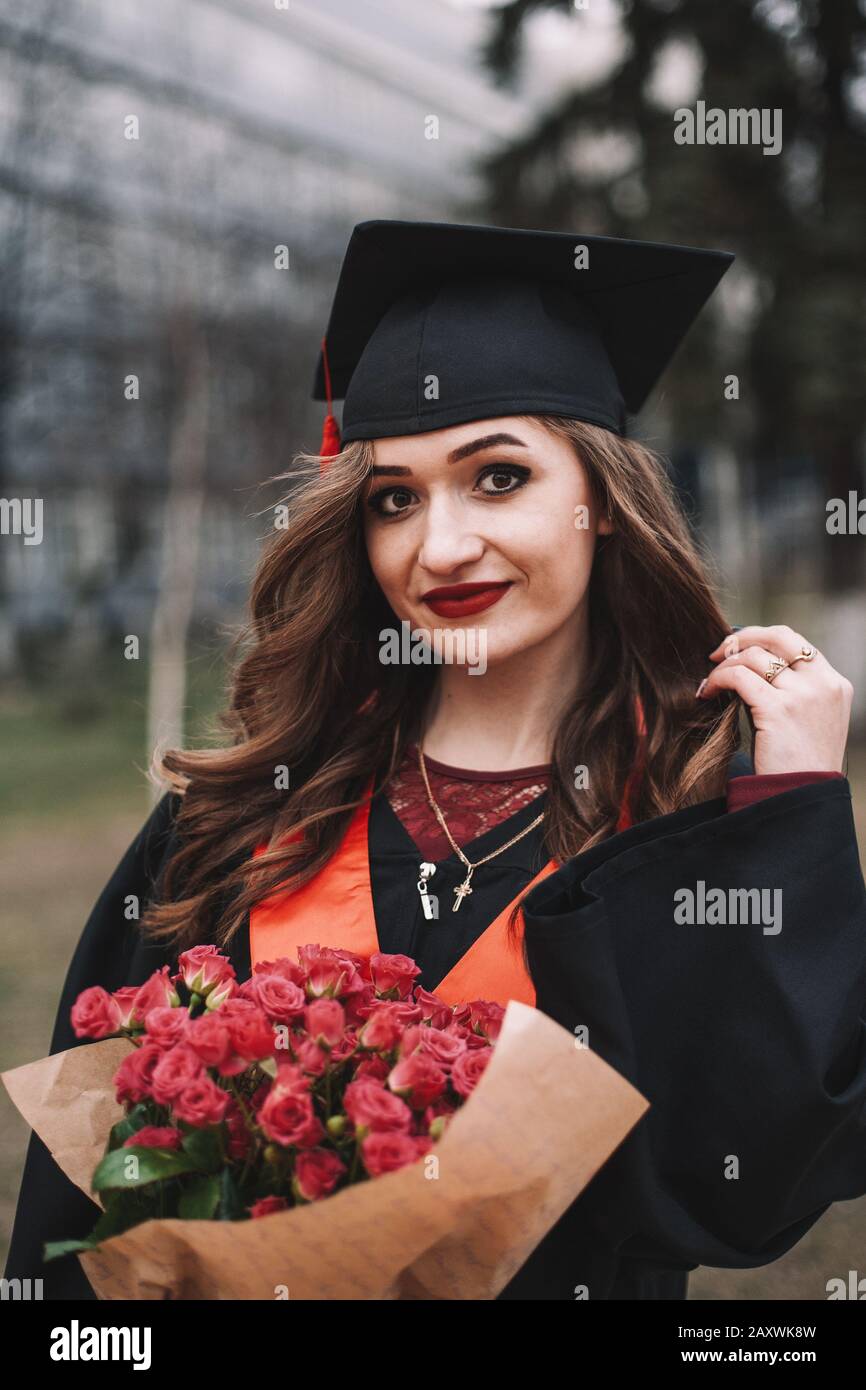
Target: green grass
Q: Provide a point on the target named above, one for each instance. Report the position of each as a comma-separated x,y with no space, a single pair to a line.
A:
77,747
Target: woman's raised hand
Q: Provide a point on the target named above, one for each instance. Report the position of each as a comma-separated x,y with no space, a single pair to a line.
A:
800,705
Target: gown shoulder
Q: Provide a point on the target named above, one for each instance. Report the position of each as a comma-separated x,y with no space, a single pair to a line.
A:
748,1040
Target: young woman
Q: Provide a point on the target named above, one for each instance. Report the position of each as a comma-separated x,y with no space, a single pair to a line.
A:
487,716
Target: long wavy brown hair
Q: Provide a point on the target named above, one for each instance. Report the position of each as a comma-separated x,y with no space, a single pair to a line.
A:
312,704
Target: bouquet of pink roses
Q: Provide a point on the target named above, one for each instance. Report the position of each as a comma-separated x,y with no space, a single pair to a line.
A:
242,1100
240,1126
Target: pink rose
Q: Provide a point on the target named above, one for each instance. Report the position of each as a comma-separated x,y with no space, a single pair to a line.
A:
266,1206
175,1071
486,1018
252,1036
291,1076
433,1010
166,1026
201,1102
393,975
469,1069
282,1000
372,1068
310,1057
411,1039
317,1172
356,969
154,1137
418,1078
407,1012
358,1002
287,969
133,1080
467,1037
360,964
385,1153
125,999
369,1106
327,972
384,1027
156,993
209,1039
223,990
95,1014
325,1021
345,1048
287,1117
443,1047
204,967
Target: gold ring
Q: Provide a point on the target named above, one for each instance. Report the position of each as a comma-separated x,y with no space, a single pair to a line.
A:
805,654
777,664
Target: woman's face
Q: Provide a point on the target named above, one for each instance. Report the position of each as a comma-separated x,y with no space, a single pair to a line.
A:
490,525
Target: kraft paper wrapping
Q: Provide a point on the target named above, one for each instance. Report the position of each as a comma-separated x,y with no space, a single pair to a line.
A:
541,1122
69,1100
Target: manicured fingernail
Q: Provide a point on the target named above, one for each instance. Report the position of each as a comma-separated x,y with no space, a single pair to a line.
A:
700,687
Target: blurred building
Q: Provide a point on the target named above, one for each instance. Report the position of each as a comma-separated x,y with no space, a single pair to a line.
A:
154,159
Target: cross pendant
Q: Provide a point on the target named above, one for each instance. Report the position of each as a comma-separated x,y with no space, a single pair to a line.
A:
461,892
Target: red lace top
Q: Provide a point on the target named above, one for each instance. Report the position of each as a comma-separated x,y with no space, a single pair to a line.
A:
473,802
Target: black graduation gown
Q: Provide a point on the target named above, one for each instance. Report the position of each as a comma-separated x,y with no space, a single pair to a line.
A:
746,1044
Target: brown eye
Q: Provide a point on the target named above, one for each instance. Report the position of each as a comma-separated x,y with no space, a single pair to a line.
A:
389,501
501,479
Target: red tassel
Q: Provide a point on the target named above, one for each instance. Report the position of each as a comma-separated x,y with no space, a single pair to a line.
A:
330,437
330,431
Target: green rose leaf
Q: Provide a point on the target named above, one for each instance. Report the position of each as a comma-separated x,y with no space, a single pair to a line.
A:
202,1147
200,1199
152,1165
231,1207
129,1125
53,1249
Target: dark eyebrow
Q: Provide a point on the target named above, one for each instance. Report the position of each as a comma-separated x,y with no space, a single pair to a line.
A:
475,446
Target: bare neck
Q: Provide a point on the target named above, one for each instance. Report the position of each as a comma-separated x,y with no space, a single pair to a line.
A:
506,718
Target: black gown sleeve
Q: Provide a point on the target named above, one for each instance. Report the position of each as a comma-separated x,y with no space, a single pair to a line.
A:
750,1045
111,953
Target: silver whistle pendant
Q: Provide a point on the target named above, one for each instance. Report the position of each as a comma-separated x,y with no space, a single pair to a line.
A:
426,871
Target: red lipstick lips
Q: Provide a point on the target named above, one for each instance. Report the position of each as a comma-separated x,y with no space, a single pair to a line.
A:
461,600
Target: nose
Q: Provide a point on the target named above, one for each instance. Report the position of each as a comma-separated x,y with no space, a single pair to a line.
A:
448,542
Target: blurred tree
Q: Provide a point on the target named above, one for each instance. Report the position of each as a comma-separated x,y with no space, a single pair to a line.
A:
796,219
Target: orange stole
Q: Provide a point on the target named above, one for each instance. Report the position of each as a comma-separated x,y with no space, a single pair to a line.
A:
336,909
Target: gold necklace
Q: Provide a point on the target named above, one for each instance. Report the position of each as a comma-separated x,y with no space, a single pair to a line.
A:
465,888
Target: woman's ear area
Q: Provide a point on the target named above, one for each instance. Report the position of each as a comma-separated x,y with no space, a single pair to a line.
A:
605,523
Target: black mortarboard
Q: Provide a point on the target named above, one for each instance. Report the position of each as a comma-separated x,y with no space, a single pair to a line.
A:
435,324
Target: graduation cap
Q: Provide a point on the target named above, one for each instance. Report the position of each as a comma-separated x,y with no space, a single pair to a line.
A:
434,324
